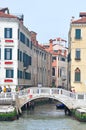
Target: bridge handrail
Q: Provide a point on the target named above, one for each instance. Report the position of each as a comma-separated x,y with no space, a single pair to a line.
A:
42,91
68,93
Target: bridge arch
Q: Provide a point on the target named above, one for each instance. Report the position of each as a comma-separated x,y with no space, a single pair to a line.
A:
65,102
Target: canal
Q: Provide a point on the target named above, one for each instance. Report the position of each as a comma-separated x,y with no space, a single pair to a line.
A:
44,117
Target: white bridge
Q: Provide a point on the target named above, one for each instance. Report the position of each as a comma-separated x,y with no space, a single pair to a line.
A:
70,99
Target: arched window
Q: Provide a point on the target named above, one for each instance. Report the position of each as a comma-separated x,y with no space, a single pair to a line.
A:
77,75
53,71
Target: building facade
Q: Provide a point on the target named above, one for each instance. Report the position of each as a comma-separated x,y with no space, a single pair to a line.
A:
41,74
77,54
19,59
59,62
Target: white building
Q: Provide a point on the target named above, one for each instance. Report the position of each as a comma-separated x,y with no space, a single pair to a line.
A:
16,67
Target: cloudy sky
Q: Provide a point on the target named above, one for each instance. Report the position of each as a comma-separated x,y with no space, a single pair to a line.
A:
49,18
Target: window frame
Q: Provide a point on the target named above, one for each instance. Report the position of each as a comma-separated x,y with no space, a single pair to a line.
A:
77,75
77,54
77,34
8,53
9,73
7,32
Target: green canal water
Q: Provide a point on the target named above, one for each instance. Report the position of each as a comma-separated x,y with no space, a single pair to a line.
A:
44,117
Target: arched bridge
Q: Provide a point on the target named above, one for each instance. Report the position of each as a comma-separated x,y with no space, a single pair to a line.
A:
70,99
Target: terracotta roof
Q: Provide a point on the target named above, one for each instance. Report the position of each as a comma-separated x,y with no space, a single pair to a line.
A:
3,15
80,21
82,14
60,39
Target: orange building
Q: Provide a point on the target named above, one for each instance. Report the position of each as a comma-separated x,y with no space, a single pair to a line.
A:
57,47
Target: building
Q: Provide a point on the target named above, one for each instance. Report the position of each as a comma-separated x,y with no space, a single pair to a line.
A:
77,54
59,61
42,60
18,52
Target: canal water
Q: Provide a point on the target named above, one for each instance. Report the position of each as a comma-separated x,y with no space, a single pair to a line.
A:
44,117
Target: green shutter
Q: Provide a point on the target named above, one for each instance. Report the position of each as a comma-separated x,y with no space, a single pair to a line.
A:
10,32
78,34
5,30
77,76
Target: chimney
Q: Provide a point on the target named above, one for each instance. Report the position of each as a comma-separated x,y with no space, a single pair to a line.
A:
4,10
82,14
51,45
33,37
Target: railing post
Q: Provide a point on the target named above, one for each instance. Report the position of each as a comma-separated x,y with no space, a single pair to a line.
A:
84,96
60,91
50,91
31,91
13,95
39,91
76,96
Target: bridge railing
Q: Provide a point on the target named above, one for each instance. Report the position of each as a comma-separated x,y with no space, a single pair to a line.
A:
80,96
68,93
46,91
7,98
41,91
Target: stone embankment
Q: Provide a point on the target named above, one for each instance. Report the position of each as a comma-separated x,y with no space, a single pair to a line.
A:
7,113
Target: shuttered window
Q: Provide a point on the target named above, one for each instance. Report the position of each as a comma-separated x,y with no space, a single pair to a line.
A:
8,33
8,54
77,75
78,34
9,73
77,55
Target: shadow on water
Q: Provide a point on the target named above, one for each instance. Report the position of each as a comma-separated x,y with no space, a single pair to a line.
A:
44,112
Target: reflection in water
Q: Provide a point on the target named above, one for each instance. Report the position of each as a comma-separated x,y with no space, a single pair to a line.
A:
44,117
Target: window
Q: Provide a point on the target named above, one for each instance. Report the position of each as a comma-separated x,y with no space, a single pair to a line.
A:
27,75
53,58
53,71
20,55
45,57
27,60
62,59
78,34
27,41
77,54
30,44
18,33
20,74
22,37
8,54
8,33
77,75
9,73
30,60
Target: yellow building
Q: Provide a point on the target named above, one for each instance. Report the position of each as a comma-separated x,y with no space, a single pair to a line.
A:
77,54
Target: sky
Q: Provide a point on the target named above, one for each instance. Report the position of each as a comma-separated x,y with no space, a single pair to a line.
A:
50,19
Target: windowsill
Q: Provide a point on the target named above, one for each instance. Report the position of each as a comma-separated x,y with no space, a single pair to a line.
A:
77,59
77,82
78,38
